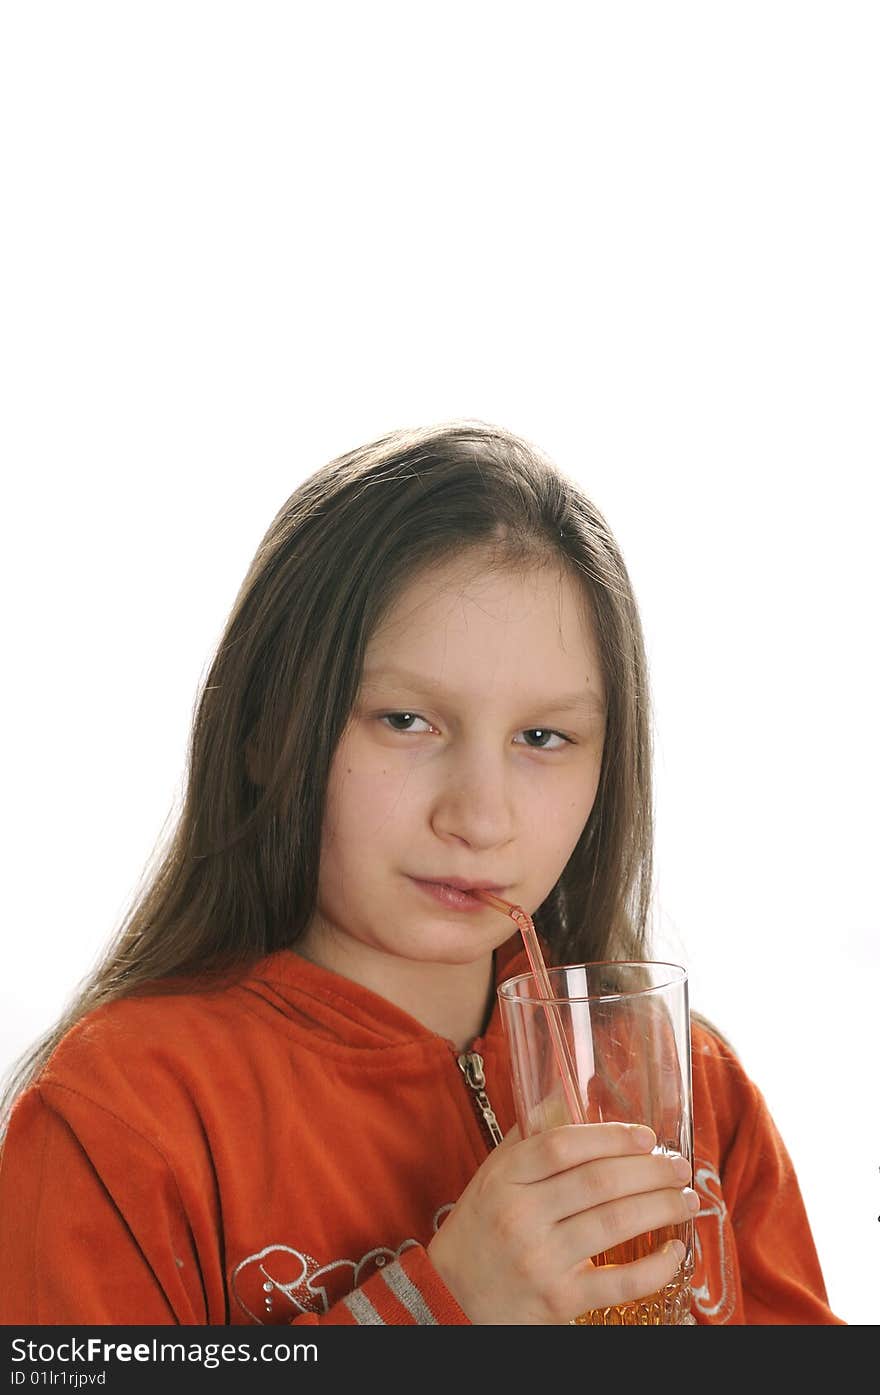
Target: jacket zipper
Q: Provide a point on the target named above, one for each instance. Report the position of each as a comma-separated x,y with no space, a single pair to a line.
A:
471,1064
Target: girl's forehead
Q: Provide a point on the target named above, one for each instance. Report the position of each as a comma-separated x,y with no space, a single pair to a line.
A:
463,581
446,622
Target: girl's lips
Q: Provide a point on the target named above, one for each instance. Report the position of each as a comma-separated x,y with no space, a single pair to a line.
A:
450,896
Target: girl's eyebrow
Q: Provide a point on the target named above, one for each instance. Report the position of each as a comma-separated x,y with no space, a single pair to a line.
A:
584,701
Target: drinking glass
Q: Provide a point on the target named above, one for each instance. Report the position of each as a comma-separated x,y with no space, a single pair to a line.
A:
625,1027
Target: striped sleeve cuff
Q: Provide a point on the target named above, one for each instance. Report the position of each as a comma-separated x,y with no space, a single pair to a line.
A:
406,1293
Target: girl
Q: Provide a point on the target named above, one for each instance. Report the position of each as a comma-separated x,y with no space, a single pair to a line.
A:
283,1097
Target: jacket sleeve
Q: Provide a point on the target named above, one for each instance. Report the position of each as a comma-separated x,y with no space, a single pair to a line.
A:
779,1270
77,1245
102,1236
408,1292
782,1279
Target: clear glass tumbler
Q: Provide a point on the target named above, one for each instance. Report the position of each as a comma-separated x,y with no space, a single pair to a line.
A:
626,1028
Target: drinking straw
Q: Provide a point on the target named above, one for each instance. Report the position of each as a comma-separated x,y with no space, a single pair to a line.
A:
542,983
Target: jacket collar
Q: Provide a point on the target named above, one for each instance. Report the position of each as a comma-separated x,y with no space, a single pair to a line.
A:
340,1010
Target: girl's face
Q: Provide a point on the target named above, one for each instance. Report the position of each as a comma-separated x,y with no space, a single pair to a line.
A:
474,751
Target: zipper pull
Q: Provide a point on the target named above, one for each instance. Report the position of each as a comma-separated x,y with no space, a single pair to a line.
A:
471,1064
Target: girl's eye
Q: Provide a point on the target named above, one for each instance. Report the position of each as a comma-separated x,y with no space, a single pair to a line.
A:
407,717
543,732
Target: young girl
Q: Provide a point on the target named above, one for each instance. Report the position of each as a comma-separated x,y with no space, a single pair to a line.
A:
281,1097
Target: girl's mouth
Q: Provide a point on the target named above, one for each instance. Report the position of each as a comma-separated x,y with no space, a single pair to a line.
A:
450,896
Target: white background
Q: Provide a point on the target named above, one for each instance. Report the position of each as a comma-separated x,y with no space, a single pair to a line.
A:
238,239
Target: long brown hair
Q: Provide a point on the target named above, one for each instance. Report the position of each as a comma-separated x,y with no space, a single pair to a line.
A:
236,876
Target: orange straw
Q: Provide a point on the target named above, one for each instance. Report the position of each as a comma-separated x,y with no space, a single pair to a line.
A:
542,982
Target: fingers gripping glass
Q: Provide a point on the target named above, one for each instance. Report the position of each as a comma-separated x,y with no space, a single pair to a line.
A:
600,1043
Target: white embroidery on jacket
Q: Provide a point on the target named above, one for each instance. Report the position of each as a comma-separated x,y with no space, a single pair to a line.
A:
300,1281
718,1307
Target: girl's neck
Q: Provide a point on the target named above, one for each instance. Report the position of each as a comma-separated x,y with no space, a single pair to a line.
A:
453,1000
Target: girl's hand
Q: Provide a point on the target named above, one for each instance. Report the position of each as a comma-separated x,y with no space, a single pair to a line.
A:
515,1248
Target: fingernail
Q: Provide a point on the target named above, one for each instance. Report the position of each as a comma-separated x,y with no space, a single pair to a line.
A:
674,1247
691,1198
643,1137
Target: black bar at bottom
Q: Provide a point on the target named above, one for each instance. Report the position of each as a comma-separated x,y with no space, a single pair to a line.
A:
195,1359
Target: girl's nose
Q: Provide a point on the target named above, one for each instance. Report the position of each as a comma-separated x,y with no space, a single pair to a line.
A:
476,802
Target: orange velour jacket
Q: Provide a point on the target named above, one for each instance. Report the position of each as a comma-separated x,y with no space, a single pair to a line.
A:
281,1151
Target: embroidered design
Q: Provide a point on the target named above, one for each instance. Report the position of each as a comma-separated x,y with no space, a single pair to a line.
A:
713,1262
279,1282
